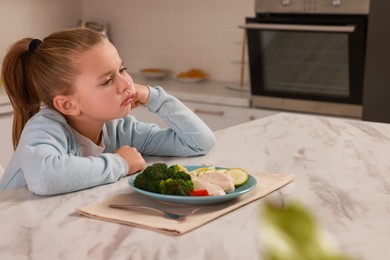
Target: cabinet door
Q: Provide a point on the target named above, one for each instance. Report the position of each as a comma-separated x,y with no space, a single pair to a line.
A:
218,117
215,116
253,113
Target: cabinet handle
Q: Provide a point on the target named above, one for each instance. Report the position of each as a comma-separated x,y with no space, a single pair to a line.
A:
208,112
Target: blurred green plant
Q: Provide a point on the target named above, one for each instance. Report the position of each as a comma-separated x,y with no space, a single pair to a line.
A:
291,233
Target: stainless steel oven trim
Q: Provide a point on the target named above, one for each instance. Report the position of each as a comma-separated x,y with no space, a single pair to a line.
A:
297,27
317,107
313,6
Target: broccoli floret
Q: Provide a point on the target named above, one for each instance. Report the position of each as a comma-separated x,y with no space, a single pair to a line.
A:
181,176
159,178
176,187
157,171
147,184
174,168
176,172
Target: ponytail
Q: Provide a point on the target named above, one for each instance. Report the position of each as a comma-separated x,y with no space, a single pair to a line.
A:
35,71
21,92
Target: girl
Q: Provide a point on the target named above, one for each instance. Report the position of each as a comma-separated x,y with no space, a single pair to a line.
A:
71,96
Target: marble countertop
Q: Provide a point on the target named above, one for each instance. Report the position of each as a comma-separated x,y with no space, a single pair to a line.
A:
342,175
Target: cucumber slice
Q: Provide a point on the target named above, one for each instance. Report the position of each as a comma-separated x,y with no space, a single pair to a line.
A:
240,176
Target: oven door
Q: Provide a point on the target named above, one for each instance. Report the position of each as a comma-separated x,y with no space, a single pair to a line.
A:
307,57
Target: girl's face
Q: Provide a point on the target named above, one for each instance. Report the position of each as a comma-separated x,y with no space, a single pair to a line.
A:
103,89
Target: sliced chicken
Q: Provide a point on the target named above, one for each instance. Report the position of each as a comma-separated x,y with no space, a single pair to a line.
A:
212,189
221,179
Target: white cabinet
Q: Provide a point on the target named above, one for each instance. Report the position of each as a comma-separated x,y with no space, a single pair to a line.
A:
217,117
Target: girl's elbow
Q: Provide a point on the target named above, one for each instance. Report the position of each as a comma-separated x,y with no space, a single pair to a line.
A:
207,143
40,190
47,187
43,189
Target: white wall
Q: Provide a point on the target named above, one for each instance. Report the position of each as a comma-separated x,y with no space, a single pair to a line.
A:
35,18
176,34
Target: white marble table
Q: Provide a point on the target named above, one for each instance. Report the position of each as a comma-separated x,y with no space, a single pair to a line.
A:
342,173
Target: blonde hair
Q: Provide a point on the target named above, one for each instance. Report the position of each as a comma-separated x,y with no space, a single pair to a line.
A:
34,77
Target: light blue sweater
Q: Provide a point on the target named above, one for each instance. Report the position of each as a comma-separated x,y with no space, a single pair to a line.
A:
49,161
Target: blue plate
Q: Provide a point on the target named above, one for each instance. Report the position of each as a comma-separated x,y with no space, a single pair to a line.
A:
196,200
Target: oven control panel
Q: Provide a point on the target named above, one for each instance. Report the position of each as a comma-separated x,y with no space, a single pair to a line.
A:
313,6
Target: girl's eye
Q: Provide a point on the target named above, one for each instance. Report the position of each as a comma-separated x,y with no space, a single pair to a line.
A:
110,80
107,82
123,69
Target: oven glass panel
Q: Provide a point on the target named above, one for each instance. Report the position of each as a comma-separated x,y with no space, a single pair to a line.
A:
305,62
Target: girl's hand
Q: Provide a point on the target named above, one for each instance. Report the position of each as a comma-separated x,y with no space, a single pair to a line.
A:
134,159
142,93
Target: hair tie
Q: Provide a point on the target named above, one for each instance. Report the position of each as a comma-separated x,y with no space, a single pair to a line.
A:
34,45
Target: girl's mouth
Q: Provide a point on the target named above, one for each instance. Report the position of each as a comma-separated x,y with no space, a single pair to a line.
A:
128,100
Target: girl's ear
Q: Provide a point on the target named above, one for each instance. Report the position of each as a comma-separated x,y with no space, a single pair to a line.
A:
66,105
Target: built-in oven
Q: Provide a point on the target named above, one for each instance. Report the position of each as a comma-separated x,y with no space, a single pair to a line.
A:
308,55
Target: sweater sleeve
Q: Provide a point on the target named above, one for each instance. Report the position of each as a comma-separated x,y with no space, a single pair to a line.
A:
51,162
186,135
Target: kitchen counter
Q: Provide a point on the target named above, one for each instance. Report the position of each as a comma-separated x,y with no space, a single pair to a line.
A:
214,92
342,175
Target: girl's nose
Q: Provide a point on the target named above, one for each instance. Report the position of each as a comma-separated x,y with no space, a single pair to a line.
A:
126,83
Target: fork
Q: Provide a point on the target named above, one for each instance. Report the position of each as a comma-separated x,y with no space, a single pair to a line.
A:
167,214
